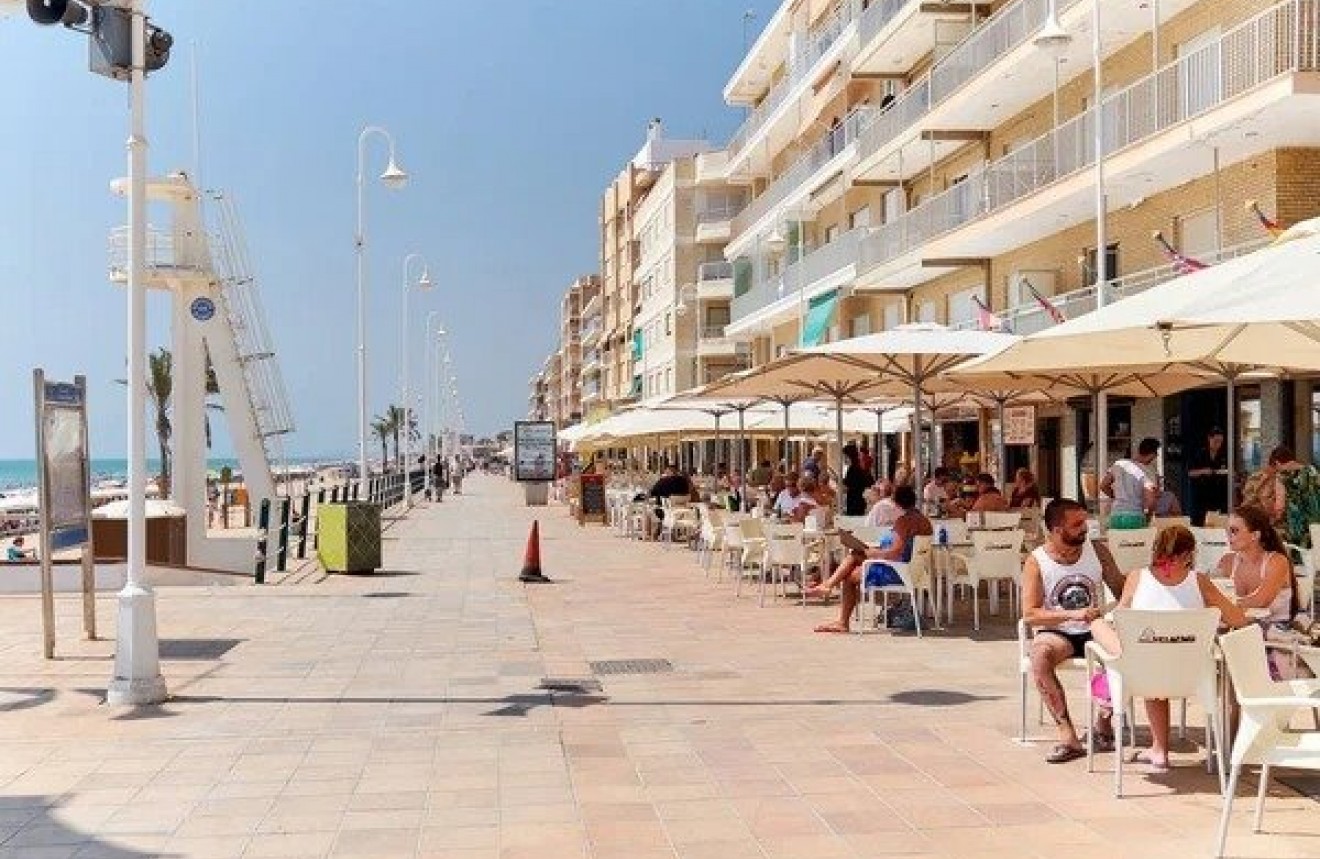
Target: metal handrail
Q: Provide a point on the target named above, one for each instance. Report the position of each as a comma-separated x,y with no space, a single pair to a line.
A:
1282,39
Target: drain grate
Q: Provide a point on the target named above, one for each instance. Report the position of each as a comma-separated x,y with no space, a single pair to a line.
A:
571,685
632,666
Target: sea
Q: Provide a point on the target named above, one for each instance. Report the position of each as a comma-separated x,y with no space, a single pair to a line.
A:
20,475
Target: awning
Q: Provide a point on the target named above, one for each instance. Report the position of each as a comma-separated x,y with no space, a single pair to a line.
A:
820,313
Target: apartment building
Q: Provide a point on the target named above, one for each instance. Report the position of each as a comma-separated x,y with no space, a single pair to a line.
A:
538,406
620,342
910,160
578,295
553,382
683,283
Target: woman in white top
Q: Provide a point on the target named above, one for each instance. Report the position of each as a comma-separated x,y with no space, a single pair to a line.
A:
1168,584
1259,566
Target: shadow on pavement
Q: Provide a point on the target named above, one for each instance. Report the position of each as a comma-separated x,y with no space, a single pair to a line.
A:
43,833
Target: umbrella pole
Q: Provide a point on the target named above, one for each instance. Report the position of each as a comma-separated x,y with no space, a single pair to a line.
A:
1098,404
717,440
742,441
881,452
919,475
838,429
1001,448
1232,442
783,453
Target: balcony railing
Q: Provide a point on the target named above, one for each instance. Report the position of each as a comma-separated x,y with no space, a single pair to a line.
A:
819,41
716,214
1285,38
877,15
812,268
717,270
1030,317
823,150
900,116
712,332
1005,31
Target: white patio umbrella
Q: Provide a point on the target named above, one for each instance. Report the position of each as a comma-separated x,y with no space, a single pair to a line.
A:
1255,313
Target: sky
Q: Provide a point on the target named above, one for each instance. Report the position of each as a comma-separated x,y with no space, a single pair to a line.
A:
511,119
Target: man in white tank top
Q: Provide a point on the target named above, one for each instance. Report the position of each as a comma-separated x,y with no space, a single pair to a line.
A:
1062,592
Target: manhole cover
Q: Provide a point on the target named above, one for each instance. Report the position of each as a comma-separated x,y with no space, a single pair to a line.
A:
387,595
571,685
632,666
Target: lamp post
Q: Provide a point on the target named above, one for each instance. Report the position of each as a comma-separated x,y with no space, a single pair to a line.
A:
1052,37
423,283
393,178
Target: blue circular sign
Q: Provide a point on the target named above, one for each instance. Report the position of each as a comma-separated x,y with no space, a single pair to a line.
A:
202,309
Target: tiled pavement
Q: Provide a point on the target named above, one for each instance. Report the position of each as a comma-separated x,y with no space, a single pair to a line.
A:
406,714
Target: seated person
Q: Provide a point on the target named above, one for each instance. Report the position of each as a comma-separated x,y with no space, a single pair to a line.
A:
1168,584
988,497
788,500
884,512
910,524
1063,583
935,494
670,484
16,552
1025,491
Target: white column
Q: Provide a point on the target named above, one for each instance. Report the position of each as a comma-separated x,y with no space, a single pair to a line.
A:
137,677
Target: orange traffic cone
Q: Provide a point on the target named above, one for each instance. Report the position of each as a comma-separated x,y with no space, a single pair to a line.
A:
531,571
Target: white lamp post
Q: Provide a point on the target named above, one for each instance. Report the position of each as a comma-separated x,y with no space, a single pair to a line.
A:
393,178
432,348
1052,37
423,283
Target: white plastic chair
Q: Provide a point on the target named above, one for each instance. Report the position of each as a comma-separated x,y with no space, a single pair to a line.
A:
1211,546
1131,548
1025,635
1164,654
710,540
849,523
885,577
997,557
752,539
784,551
1267,707
1002,521
1304,572
680,520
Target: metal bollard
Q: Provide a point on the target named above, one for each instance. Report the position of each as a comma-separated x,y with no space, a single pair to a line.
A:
263,522
304,524
282,544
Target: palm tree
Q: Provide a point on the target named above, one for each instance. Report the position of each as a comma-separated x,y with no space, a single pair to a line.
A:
401,420
160,392
383,427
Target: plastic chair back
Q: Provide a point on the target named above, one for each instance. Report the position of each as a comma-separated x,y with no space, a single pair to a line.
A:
850,523
1002,521
1244,653
783,545
997,555
1158,522
1131,549
1166,654
1211,546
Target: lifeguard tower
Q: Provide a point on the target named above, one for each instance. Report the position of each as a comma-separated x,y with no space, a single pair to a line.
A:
216,316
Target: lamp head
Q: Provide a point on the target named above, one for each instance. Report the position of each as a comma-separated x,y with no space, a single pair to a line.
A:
394,176
1052,38
776,241
424,282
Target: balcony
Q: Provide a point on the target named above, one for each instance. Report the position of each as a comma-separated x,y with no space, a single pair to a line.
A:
777,298
826,43
993,74
1031,317
165,260
715,280
909,28
1244,94
827,155
713,222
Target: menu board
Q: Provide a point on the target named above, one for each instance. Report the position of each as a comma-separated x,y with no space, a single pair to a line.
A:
1020,425
534,451
62,448
591,499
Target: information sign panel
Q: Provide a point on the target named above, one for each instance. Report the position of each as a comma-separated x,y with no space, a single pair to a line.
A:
1020,425
534,451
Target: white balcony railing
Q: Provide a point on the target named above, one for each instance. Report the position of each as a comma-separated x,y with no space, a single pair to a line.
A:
822,151
1283,39
814,267
716,214
161,252
717,270
819,41
877,15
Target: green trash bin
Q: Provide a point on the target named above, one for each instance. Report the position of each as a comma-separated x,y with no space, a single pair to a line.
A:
348,537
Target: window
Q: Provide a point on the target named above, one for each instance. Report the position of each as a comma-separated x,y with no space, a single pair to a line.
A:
860,326
1111,265
669,324
860,218
926,312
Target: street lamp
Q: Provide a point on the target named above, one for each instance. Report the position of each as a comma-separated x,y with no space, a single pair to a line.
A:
423,283
1053,38
393,178
431,352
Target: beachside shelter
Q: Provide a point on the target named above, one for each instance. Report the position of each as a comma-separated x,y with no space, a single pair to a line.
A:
1256,314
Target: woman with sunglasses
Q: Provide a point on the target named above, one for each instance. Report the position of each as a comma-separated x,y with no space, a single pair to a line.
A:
1168,584
1258,564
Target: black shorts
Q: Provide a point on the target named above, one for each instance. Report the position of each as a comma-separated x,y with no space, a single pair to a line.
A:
1076,639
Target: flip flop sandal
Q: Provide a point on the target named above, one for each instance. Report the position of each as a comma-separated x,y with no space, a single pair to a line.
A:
1062,754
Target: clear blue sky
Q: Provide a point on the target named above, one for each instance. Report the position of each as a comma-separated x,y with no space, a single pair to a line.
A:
511,118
